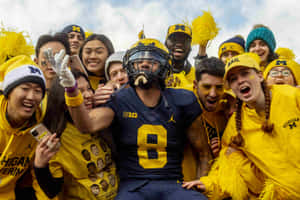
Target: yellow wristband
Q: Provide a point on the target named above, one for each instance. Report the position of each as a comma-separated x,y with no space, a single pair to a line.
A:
74,101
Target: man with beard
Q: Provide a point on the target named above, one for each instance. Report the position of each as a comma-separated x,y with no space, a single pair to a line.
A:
150,122
209,126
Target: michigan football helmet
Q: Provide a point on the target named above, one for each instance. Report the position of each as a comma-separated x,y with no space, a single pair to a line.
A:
141,61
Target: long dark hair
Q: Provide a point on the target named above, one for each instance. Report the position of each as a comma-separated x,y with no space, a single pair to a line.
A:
57,114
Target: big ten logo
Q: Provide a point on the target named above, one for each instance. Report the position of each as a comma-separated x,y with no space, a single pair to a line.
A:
281,62
42,135
34,70
233,61
130,115
76,29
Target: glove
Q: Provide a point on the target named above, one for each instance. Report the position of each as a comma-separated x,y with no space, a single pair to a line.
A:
59,64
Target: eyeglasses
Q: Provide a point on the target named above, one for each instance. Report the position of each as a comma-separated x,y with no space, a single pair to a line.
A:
285,73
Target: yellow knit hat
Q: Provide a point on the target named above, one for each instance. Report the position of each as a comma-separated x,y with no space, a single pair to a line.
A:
290,64
18,70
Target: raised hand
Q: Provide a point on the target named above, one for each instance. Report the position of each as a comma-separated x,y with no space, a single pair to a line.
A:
54,60
59,63
45,150
66,77
103,92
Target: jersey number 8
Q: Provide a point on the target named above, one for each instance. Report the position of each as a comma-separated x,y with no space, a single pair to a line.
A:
159,145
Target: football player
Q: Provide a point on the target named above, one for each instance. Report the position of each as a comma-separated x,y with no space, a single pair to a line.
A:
150,123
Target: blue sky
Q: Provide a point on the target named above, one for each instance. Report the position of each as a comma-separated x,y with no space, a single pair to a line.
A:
121,20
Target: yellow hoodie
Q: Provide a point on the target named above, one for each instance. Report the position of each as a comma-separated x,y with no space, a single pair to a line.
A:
17,148
266,167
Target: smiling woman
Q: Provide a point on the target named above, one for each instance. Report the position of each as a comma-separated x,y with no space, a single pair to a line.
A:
261,41
93,54
23,86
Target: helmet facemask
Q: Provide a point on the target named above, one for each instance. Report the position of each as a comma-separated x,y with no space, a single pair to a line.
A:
147,67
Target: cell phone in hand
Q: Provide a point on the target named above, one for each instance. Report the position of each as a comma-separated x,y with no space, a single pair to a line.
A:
39,132
75,63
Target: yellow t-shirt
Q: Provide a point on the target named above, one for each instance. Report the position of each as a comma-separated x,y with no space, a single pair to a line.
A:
85,163
276,157
17,148
181,80
95,80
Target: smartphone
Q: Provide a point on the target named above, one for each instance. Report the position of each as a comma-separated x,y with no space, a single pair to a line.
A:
39,132
75,63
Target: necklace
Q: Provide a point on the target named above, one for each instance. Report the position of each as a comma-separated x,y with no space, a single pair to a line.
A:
209,130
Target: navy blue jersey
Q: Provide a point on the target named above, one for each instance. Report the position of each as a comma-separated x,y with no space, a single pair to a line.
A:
150,140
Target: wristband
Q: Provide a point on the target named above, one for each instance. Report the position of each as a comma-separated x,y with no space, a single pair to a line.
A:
74,101
71,89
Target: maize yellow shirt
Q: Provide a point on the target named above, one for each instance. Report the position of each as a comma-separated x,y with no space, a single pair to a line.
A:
17,147
266,165
85,163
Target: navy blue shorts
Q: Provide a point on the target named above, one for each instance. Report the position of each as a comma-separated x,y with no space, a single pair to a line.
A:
137,189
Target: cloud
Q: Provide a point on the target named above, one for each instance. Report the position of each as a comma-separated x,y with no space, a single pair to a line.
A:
121,21
39,17
122,24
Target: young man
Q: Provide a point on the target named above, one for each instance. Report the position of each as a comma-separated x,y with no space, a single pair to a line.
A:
178,41
114,69
23,88
56,42
76,37
150,121
210,125
115,74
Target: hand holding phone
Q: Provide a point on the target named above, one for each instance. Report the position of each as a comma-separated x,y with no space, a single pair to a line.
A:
47,147
40,132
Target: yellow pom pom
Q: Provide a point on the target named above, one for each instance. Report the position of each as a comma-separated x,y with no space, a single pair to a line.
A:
204,29
285,53
88,33
13,44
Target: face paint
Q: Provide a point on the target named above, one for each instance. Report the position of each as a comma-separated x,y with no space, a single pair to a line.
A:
251,77
207,88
